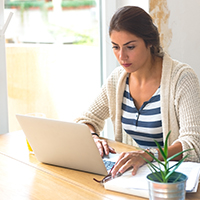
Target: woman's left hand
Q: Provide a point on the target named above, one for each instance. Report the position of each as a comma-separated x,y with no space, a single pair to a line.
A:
128,160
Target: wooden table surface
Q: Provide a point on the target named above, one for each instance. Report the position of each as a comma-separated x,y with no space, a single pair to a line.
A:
23,176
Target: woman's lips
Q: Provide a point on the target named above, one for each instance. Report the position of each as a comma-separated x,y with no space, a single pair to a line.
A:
126,64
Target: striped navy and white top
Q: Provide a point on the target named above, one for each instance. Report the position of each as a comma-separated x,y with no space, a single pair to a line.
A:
143,125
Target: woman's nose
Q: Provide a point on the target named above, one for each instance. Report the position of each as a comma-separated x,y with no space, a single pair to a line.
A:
123,55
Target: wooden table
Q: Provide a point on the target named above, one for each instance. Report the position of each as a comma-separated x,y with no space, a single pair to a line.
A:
22,176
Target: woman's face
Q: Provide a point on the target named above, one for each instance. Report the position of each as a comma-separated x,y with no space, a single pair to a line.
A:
130,51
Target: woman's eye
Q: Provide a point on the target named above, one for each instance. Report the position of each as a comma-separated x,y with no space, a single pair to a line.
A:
131,47
115,47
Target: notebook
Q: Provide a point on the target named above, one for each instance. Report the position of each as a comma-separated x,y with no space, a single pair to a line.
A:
64,144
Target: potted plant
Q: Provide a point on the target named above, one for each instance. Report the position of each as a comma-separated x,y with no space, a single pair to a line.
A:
163,181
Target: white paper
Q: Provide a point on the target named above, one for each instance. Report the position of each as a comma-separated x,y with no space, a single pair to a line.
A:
138,184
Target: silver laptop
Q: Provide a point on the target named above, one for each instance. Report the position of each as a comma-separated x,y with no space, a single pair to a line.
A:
64,144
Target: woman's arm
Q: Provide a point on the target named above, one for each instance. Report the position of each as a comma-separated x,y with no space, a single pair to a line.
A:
172,150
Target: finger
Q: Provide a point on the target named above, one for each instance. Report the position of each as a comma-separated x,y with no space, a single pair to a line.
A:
111,150
121,161
126,166
116,169
105,147
121,156
135,168
100,147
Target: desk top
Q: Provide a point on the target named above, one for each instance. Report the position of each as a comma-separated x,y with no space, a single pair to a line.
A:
20,181
76,184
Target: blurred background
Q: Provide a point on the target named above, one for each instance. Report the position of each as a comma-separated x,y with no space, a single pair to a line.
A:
53,59
58,52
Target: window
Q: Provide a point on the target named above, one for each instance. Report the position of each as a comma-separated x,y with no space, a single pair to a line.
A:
53,58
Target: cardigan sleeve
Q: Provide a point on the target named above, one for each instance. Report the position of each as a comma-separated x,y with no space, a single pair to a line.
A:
187,105
97,112
104,105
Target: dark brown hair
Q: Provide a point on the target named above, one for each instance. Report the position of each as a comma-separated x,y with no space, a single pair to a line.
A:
138,22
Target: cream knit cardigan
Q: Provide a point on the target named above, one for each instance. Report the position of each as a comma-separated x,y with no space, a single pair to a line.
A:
180,106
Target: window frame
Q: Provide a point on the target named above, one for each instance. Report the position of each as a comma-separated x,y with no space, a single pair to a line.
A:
3,77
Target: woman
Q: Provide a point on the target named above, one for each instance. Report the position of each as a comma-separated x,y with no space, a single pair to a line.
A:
147,96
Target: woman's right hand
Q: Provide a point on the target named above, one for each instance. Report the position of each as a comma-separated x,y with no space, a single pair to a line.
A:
102,145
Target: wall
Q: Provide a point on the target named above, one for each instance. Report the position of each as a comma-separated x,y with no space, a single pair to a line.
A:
178,23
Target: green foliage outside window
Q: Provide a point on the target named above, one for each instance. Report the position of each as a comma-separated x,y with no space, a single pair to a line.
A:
48,4
86,37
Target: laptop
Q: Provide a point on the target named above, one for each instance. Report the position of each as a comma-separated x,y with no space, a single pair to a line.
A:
64,144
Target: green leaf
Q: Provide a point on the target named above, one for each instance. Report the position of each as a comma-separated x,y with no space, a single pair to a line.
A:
174,156
151,164
169,174
175,166
156,170
178,163
166,145
177,178
161,150
156,159
161,174
157,175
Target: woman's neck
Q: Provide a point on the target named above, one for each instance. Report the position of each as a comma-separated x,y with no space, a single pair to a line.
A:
152,72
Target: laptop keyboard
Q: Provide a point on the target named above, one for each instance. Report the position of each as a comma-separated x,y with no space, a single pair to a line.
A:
109,164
